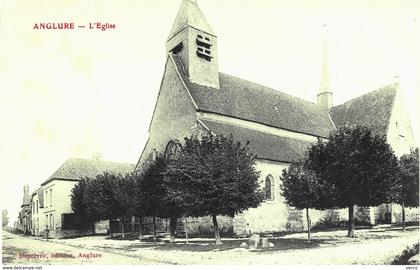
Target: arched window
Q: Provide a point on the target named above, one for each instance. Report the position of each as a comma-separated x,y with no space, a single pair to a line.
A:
269,187
171,150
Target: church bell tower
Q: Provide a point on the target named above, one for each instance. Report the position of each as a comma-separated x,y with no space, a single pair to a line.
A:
195,43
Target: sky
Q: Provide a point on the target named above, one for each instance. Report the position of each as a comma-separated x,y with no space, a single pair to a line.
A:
70,93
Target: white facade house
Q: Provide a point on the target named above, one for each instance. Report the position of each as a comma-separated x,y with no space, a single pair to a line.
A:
52,200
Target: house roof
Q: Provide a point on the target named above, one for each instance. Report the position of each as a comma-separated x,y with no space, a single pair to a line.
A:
189,14
263,145
250,101
373,109
76,169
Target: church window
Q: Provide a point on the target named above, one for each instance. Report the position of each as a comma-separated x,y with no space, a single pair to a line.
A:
177,48
269,187
203,47
171,150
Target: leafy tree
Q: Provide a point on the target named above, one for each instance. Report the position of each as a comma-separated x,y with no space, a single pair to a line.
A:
123,196
302,189
155,192
112,197
106,196
94,199
138,206
4,217
152,197
359,167
408,184
214,175
150,191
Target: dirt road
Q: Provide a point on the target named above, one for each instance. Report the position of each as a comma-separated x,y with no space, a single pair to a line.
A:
28,250
378,245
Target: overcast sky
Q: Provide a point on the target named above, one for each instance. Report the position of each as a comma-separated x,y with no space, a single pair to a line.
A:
71,93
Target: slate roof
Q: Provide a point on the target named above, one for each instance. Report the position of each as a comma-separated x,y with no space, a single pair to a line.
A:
189,14
263,145
76,169
373,109
250,101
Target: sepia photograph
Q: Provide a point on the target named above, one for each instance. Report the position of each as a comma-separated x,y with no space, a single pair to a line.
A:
209,133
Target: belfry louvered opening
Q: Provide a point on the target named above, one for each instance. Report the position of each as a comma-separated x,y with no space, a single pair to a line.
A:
204,47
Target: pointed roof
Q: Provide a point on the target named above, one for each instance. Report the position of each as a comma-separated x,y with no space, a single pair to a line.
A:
325,82
75,169
246,100
372,110
263,145
189,14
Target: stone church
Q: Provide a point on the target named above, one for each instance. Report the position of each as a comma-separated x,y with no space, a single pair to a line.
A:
196,98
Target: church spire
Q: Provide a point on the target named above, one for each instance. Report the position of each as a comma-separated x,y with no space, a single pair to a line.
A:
194,42
325,84
325,95
189,14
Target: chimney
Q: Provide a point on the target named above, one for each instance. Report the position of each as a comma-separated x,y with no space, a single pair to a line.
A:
26,199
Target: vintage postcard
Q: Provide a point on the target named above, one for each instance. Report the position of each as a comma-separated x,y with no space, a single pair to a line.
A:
209,132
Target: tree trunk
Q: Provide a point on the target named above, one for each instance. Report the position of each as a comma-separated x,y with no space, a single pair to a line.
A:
216,231
92,227
308,218
403,215
351,222
133,225
172,229
140,228
154,229
186,229
122,227
110,228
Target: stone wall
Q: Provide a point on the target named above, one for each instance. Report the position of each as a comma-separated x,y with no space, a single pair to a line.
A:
411,214
400,135
271,215
364,215
173,117
203,226
275,215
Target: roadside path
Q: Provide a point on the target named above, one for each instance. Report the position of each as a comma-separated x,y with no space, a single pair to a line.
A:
379,245
19,249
